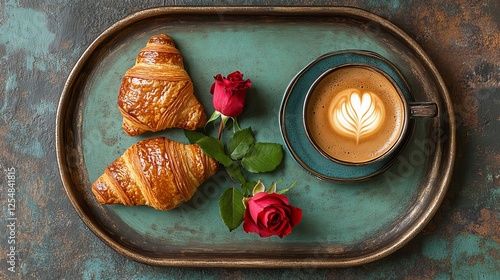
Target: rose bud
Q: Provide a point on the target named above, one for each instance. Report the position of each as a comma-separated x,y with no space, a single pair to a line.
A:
270,214
229,93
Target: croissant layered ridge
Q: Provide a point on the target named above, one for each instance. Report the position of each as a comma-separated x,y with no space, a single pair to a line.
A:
156,172
157,92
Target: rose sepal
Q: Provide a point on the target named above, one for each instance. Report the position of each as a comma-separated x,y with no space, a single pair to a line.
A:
213,117
217,115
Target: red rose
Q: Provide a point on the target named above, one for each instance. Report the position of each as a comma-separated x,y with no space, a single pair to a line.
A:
229,93
270,214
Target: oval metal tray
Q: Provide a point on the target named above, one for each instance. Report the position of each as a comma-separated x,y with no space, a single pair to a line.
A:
343,224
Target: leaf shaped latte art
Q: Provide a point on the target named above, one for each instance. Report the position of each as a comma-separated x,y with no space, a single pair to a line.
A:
357,115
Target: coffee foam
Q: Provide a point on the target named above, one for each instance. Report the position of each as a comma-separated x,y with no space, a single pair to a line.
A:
348,142
356,114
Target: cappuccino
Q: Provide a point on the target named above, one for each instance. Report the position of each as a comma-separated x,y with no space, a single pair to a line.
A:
354,115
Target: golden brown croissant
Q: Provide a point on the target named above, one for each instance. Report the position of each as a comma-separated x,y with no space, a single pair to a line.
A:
157,93
157,172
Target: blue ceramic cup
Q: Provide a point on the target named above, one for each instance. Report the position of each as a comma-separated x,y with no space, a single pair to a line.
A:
356,114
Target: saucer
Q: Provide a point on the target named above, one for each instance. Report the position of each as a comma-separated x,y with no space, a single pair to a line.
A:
291,117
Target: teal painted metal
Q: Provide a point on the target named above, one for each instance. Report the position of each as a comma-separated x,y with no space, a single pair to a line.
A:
26,30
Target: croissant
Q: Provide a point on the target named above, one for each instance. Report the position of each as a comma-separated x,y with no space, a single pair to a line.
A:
157,93
157,172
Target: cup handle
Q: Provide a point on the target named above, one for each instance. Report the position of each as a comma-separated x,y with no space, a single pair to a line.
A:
423,109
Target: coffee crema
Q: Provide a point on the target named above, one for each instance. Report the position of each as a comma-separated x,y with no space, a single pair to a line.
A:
354,114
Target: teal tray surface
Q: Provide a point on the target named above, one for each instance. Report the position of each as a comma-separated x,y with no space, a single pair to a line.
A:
343,224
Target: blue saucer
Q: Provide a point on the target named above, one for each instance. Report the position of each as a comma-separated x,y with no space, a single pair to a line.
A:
291,117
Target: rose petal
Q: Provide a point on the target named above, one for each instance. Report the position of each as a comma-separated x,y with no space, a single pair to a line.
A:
227,83
273,220
235,76
249,224
262,199
276,220
296,216
218,78
271,198
212,88
283,230
254,208
271,216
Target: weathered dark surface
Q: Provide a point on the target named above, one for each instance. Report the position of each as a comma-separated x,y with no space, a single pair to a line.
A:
40,41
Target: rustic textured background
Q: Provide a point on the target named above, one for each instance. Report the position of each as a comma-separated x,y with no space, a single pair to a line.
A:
40,41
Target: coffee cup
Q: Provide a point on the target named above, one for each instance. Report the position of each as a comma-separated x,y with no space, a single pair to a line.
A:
356,114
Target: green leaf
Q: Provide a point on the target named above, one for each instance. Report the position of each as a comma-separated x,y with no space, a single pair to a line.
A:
231,208
214,148
262,157
248,187
234,170
193,136
240,142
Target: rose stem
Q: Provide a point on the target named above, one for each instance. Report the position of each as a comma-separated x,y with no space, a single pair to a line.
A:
221,127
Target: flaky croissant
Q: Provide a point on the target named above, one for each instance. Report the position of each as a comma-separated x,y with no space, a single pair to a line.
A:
157,172
157,93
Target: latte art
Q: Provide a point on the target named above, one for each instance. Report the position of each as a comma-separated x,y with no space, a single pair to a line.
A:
357,115
354,115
